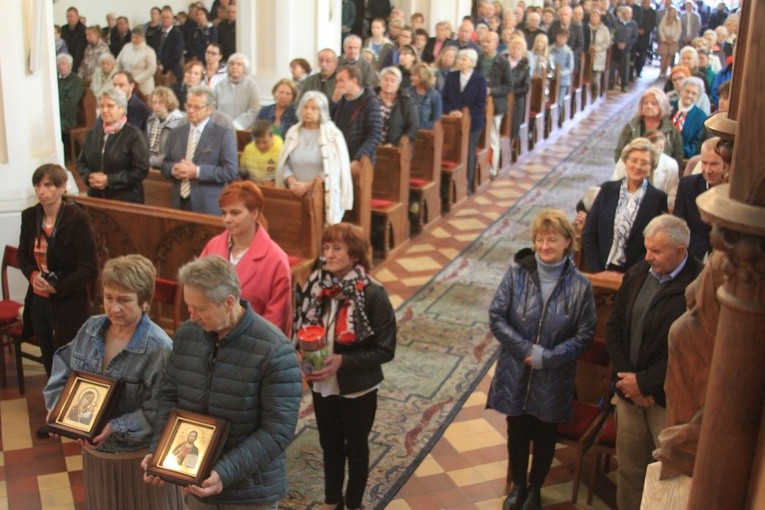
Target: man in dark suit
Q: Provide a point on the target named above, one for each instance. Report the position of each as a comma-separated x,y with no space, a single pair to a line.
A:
714,171
169,45
201,156
650,299
120,36
73,33
227,32
575,33
137,111
643,44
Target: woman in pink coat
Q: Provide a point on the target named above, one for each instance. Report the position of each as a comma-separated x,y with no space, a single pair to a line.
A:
262,266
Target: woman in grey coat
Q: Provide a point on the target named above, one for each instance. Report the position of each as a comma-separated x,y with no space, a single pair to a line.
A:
543,315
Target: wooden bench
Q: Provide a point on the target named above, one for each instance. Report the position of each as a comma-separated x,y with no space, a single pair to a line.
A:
522,144
505,134
483,152
296,225
588,96
167,237
242,139
553,115
390,197
86,120
454,159
157,190
536,110
576,102
425,177
361,214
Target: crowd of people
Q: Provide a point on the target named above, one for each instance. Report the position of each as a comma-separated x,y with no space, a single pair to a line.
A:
391,79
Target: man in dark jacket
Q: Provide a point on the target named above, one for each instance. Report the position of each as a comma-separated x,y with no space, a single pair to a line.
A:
496,69
356,112
137,111
624,38
643,42
74,35
169,43
650,299
575,33
230,363
227,32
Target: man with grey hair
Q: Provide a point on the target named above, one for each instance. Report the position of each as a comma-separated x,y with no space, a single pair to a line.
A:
323,81
352,57
201,157
230,363
650,299
69,91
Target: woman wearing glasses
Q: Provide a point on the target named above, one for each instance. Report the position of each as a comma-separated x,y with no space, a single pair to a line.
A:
543,316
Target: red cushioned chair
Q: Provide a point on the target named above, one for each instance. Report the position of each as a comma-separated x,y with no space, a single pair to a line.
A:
167,293
9,309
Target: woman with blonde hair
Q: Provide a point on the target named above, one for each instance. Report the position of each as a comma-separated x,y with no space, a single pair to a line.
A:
164,117
543,64
429,104
543,316
444,64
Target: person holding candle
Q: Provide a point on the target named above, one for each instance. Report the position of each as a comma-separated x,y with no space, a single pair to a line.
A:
360,335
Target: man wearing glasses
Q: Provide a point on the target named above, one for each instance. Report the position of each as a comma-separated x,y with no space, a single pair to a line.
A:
201,156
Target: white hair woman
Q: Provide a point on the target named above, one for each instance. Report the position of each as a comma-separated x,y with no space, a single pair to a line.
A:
238,95
315,147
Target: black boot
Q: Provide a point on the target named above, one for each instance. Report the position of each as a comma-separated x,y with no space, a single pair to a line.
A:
534,500
516,497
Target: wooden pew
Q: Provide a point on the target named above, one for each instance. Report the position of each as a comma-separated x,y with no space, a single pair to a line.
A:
536,110
157,190
587,93
361,214
86,119
296,225
242,139
552,112
483,153
505,134
454,159
167,237
523,143
425,177
390,197
575,103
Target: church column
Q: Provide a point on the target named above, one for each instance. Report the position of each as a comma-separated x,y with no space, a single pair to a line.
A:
728,453
283,30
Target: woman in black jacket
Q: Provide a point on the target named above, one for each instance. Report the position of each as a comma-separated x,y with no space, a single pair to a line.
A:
115,157
360,334
57,254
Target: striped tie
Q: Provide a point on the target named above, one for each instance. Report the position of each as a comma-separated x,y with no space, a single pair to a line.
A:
191,148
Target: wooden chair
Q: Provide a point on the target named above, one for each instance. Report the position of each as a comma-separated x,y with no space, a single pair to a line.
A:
425,177
536,105
167,293
86,120
505,134
552,112
454,159
361,214
483,152
9,309
296,225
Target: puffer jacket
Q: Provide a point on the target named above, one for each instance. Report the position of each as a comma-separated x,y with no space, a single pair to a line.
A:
563,328
251,379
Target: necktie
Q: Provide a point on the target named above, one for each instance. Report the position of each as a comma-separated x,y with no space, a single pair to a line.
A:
679,120
191,148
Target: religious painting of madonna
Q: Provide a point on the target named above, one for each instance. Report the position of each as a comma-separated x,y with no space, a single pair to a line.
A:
189,447
84,405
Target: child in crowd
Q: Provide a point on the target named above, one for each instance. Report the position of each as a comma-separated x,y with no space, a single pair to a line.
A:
258,162
563,57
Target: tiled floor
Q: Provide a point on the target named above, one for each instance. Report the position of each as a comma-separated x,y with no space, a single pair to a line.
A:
465,469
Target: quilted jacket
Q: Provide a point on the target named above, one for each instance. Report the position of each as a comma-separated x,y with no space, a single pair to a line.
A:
563,327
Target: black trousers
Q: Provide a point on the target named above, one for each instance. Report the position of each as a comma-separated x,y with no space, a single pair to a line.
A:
472,146
521,431
344,425
41,318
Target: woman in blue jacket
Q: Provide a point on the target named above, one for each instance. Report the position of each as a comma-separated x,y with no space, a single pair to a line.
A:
543,315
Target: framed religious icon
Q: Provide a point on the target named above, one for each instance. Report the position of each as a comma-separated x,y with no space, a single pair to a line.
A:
189,447
84,406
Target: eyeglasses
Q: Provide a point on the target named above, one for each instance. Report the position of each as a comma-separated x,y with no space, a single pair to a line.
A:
642,163
212,53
